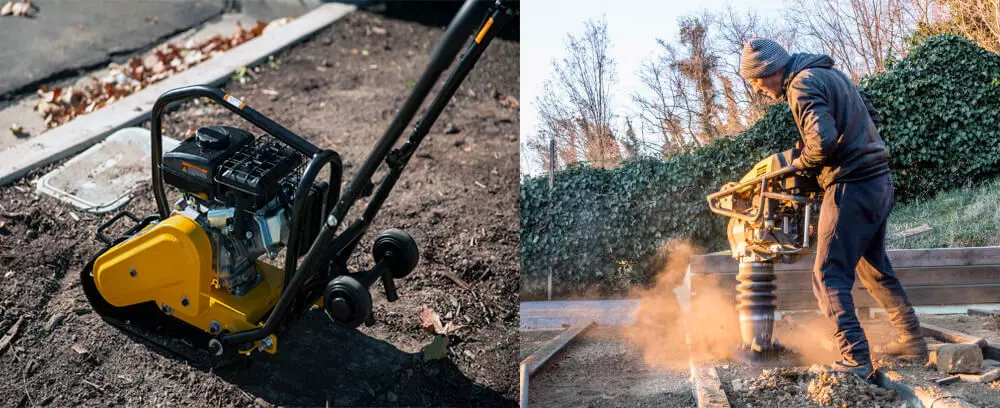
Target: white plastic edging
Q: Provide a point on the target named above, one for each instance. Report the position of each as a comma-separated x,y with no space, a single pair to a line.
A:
114,184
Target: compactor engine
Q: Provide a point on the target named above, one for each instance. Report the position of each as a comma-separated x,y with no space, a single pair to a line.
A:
772,212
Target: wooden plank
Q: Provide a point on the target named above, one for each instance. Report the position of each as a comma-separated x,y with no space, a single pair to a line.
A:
707,387
524,386
912,232
924,276
950,336
538,359
981,312
918,296
900,258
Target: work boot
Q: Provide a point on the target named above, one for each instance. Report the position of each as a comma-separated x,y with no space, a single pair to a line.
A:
911,347
863,371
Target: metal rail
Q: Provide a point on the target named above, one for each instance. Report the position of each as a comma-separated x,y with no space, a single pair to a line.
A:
531,364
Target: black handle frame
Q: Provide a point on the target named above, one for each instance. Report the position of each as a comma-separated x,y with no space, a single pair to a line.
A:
328,246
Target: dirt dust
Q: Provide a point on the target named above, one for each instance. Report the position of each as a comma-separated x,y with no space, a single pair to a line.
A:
663,326
809,336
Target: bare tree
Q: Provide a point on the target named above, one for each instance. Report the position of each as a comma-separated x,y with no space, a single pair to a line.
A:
662,107
575,106
700,67
861,35
977,20
732,30
680,98
633,144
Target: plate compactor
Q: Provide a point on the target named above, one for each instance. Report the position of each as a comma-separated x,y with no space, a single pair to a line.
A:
189,277
771,211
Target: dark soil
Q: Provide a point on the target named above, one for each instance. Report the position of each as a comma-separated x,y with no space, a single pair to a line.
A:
597,369
458,198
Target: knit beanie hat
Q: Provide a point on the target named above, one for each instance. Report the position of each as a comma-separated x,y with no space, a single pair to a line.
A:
762,57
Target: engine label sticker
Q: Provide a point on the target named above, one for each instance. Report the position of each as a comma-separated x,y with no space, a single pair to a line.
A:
235,101
193,170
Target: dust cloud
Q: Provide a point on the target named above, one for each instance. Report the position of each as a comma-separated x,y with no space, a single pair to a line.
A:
667,332
674,324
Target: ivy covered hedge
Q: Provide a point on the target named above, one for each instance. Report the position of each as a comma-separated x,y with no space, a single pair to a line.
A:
599,229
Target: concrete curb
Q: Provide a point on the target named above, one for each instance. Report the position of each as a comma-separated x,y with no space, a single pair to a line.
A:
87,130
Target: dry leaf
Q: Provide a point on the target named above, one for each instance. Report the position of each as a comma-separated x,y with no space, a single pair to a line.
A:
452,328
277,23
430,321
59,106
510,102
17,8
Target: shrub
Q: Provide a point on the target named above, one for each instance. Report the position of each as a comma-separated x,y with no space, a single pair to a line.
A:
940,110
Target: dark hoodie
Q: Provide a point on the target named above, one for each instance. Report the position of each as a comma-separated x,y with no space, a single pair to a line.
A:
836,123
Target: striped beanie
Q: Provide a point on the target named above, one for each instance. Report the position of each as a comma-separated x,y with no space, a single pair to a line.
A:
762,57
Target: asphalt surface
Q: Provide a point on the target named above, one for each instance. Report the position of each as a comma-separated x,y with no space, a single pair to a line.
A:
69,35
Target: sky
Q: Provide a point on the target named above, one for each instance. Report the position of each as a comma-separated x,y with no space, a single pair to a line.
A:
633,27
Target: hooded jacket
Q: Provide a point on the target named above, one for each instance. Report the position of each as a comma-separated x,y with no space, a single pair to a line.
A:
836,123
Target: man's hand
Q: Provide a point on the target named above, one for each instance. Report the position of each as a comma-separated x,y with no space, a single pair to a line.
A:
797,164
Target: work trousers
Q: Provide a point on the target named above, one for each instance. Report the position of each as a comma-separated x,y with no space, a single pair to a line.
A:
851,239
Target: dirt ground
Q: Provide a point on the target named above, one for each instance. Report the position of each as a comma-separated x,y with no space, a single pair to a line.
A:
458,198
917,375
798,387
617,375
597,370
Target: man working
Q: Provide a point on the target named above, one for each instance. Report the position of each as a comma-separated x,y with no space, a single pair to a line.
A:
842,144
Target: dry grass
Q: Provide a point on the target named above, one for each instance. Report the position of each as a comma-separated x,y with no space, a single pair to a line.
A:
963,217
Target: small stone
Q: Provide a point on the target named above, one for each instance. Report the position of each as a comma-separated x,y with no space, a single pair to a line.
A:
451,129
8,275
737,385
391,397
959,358
54,321
261,403
80,349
